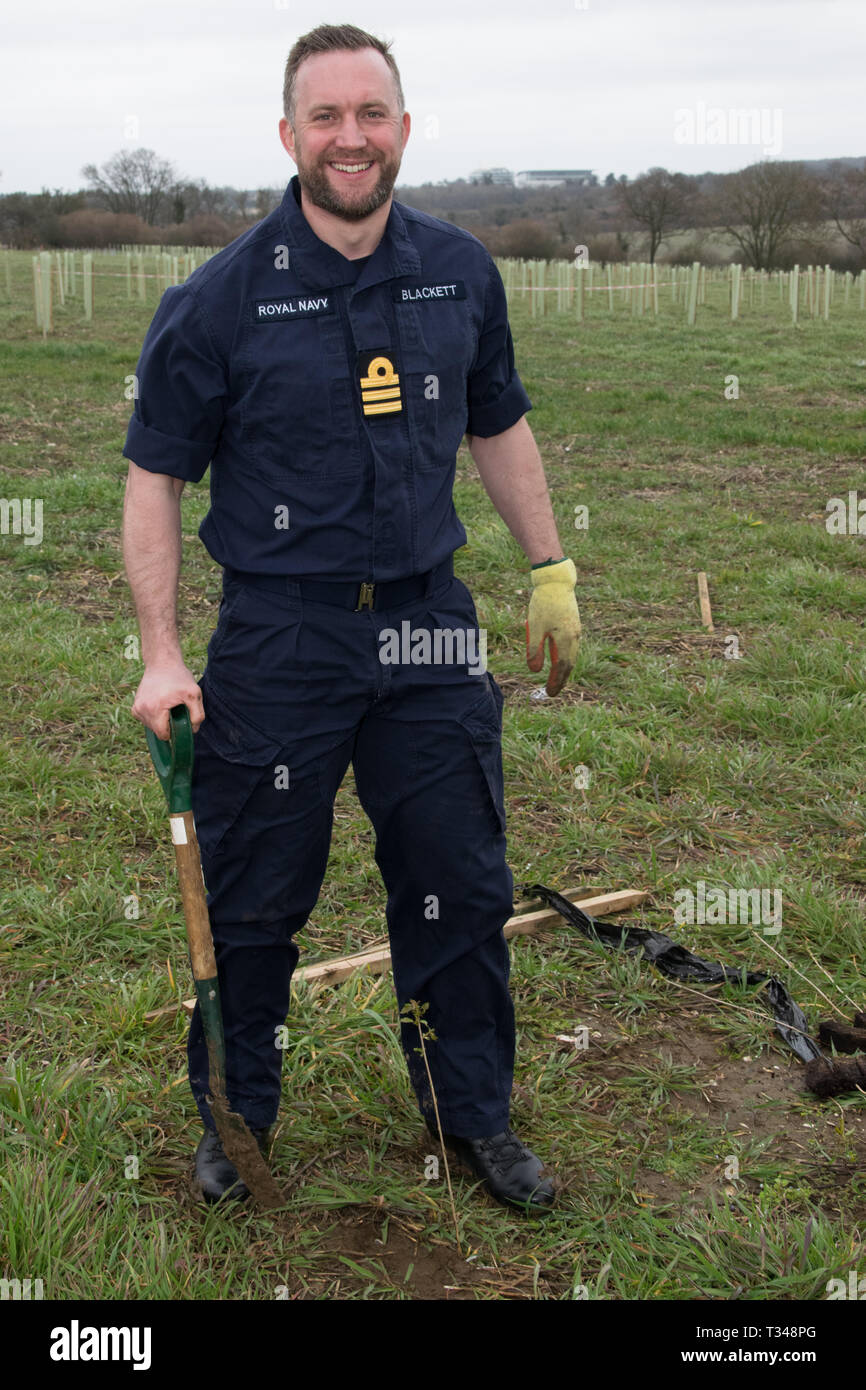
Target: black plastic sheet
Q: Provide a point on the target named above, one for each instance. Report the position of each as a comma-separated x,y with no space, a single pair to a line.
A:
677,963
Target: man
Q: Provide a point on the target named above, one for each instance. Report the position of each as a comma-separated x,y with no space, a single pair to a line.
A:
327,365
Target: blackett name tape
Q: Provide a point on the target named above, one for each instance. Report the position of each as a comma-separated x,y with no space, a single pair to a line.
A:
415,294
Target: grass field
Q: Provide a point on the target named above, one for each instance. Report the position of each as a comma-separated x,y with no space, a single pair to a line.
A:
741,772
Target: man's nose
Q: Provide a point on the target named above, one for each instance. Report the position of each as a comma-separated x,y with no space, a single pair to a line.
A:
350,133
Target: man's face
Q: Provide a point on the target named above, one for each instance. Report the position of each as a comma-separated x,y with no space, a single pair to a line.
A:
346,114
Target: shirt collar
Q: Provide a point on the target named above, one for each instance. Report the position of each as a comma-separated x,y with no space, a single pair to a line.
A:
320,266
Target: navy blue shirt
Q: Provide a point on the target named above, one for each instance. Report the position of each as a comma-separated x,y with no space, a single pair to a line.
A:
329,397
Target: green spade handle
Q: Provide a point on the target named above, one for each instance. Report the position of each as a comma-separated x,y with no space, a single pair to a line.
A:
172,759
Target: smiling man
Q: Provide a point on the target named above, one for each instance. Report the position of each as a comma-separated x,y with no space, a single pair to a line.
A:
348,183
326,366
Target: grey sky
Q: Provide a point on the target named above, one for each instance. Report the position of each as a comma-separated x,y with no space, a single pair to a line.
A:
543,84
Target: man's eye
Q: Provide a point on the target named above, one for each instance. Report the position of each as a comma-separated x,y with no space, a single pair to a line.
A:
326,115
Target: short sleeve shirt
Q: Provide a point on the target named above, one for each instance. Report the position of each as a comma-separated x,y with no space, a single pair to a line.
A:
328,397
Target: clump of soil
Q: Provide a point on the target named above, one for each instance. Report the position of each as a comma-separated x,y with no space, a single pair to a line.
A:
834,1078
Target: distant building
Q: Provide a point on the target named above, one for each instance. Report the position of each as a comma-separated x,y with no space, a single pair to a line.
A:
491,176
553,178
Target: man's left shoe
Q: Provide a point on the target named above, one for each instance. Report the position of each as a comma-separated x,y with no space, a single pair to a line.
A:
216,1173
511,1172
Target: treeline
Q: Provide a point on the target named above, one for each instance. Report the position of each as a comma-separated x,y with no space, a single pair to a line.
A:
769,215
135,198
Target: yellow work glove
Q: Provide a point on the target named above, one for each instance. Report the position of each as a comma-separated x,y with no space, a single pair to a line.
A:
553,616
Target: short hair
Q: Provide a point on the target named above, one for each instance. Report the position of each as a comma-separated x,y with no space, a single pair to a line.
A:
333,38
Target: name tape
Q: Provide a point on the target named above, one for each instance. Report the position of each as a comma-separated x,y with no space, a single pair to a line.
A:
412,294
297,307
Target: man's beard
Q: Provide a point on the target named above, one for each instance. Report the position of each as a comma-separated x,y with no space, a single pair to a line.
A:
314,181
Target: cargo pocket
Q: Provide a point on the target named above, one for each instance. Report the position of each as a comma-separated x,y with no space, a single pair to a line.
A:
230,758
483,723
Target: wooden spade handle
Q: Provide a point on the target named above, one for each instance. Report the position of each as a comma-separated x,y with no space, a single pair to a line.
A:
192,891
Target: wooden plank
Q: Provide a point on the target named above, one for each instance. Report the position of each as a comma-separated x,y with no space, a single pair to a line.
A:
704,597
526,918
594,907
377,959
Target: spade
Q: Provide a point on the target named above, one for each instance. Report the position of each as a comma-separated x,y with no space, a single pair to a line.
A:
173,760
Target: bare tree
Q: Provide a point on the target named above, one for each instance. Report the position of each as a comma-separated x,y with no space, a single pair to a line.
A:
136,181
766,206
845,201
657,201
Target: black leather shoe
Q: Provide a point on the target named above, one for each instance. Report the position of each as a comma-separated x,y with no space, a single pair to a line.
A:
511,1171
216,1173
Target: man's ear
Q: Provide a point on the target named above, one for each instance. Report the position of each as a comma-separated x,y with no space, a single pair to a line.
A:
287,136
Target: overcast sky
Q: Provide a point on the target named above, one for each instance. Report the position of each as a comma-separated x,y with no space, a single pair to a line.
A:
607,85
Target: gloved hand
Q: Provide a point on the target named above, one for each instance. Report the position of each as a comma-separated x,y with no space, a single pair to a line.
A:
553,616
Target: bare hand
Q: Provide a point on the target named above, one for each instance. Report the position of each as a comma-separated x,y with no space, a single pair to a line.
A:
162,686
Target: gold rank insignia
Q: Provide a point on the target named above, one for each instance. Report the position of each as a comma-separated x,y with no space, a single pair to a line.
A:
380,384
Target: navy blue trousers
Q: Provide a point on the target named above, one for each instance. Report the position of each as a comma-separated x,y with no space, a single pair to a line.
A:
293,692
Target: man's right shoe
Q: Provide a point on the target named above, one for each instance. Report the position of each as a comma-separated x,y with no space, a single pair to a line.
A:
511,1172
216,1173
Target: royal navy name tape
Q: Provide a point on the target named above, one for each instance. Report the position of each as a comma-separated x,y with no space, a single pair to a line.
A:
411,294
297,307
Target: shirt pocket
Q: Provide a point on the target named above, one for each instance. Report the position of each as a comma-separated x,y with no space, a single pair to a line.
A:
298,412
438,343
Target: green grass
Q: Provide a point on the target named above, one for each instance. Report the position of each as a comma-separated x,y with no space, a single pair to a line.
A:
744,772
